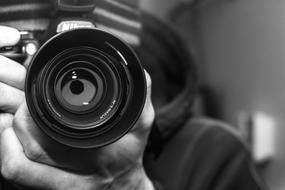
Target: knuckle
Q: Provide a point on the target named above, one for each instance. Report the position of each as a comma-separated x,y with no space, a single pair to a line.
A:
5,121
10,169
16,122
33,152
19,120
147,118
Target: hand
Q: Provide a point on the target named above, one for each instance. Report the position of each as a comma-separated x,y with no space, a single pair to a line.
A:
11,94
26,163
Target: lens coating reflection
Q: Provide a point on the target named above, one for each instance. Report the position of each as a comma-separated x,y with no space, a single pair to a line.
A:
78,88
78,92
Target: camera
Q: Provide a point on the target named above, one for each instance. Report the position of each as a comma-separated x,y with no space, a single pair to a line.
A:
85,88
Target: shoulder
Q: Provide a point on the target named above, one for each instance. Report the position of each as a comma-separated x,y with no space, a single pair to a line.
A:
211,155
213,135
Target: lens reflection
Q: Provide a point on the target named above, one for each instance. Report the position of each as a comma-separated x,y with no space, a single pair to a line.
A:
78,87
78,92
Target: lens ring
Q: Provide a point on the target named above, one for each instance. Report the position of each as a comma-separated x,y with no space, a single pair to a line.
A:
130,75
112,98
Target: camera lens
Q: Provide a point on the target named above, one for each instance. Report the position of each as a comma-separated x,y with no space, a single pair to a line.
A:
85,88
78,88
78,91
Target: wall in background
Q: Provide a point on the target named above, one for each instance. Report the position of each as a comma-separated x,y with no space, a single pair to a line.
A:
243,61
159,8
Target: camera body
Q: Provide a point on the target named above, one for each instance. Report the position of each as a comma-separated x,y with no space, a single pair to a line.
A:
29,40
85,88
27,46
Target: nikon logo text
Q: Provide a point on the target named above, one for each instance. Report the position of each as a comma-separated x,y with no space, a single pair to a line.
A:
74,24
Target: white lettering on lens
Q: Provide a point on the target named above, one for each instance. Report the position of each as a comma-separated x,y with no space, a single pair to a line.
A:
69,25
109,110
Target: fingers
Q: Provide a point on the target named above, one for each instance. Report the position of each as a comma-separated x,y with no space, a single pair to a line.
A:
9,36
41,148
148,85
12,73
147,117
31,137
6,121
16,168
12,79
10,98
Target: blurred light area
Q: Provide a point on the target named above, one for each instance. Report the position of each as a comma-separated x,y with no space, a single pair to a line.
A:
240,48
263,137
243,58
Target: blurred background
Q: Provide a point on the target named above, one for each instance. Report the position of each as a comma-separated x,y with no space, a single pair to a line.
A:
239,47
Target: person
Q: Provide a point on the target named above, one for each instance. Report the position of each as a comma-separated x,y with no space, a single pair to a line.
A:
25,164
200,153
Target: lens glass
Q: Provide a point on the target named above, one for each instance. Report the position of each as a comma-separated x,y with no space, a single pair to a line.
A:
83,88
79,88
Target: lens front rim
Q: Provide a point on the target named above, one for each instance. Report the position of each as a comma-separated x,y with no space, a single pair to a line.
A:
133,76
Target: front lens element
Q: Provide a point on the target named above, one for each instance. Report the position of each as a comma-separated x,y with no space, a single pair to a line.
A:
78,88
85,88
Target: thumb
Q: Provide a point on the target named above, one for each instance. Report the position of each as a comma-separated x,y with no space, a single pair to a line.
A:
9,36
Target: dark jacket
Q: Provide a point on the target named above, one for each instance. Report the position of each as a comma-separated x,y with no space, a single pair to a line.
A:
204,155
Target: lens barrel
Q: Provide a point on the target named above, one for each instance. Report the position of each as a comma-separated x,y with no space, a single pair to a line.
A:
85,88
